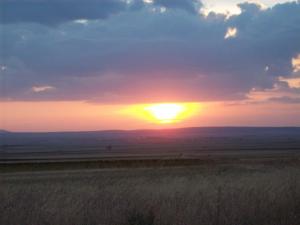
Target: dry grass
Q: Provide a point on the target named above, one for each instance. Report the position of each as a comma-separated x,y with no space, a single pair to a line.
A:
248,194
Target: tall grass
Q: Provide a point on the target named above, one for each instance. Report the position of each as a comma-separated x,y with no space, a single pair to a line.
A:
208,195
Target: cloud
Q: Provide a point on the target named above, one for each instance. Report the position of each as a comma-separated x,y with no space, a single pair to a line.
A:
251,7
81,21
267,68
231,32
53,12
3,68
285,91
286,100
136,54
191,6
293,82
38,89
296,63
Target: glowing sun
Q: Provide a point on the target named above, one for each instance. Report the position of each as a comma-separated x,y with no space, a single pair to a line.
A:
166,112
163,113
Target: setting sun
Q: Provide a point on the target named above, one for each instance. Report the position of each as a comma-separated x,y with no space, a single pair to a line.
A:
144,112
166,112
163,113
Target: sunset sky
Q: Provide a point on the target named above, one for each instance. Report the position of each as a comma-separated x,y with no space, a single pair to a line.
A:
130,64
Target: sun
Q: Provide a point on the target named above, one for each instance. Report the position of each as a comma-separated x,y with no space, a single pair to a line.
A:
163,113
166,112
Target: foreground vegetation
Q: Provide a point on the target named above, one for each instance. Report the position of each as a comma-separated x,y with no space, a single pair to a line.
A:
211,194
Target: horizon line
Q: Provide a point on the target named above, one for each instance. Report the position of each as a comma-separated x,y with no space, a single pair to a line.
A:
146,129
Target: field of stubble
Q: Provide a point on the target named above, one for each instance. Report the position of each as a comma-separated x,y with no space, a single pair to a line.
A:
222,194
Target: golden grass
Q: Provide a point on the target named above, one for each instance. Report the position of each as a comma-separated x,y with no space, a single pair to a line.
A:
209,194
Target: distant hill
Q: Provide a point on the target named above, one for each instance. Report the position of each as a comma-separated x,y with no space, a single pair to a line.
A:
169,132
124,136
3,131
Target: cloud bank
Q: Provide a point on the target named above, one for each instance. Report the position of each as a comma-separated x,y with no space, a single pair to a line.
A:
118,51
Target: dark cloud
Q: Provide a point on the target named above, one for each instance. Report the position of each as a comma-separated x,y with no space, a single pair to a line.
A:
248,7
191,6
54,12
143,55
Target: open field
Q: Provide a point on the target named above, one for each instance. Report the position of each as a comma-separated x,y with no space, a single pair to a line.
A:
149,144
241,192
234,176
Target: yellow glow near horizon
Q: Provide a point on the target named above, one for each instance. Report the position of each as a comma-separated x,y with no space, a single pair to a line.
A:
84,116
163,113
166,112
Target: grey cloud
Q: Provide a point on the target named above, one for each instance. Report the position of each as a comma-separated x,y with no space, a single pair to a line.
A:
249,7
140,55
53,12
191,6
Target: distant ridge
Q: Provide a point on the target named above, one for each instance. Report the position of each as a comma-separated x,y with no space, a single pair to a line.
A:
4,131
157,130
164,129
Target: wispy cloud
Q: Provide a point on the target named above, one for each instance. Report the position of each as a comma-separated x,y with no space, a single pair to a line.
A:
38,89
296,63
231,32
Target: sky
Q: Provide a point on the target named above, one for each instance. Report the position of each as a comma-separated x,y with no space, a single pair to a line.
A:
95,64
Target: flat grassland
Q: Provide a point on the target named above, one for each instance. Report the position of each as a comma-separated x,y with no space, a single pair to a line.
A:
190,176
240,192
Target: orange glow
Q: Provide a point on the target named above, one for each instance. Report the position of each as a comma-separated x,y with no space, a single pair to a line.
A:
83,116
164,113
